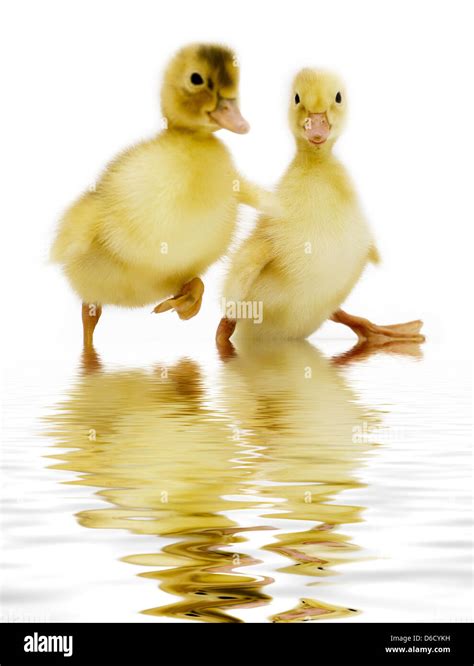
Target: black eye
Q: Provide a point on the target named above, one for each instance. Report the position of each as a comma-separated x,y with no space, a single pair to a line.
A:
196,79
297,99
338,98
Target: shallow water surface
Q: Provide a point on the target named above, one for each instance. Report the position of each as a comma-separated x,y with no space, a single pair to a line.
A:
282,484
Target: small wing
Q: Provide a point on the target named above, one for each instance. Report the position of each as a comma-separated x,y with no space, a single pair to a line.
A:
265,201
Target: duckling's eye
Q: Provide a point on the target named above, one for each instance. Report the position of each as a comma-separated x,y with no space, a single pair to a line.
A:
297,99
338,98
196,79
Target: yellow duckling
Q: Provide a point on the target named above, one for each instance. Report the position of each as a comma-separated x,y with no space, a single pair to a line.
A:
297,268
164,210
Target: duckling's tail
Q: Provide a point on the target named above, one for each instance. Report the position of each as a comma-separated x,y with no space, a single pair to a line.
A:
76,230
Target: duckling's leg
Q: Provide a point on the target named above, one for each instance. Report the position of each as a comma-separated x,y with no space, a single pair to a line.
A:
90,316
367,331
223,334
187,303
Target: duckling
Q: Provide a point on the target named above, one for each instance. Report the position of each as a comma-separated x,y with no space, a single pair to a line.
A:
301,265
164,210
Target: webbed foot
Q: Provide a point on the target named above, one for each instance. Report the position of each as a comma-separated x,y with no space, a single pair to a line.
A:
187,303
380,335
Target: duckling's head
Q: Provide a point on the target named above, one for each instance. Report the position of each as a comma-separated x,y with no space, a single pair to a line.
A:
200,90
317,109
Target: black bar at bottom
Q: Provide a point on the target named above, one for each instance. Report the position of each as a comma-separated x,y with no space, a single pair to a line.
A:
307,643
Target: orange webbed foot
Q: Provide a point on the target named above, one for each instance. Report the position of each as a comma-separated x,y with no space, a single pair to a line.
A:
367,331
187,302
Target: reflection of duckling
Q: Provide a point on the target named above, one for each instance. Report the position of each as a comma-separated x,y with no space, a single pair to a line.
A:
286,396
277,444
148,428
164,462
302,266
165,209
311,432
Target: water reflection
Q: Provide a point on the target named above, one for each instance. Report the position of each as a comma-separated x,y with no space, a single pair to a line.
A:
272,444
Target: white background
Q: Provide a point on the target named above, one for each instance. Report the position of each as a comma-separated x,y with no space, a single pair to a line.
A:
81,80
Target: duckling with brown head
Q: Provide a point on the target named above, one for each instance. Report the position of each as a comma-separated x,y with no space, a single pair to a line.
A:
206,100
164,210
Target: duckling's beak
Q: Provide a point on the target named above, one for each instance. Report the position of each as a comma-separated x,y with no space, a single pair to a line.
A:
317,128
227,115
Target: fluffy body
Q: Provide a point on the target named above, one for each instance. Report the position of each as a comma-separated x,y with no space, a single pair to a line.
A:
161,214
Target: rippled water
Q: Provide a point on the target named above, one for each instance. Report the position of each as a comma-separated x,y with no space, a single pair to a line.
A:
282,484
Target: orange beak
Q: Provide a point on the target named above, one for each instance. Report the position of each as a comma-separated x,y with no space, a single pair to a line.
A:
317,128
227,115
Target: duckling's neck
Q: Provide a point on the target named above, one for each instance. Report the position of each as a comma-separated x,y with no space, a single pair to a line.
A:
312,156
197,134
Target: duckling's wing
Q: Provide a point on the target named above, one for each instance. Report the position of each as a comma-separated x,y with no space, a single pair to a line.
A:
253,195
